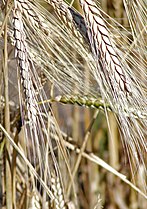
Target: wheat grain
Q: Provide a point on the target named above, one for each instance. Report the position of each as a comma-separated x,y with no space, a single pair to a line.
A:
34,202
85,101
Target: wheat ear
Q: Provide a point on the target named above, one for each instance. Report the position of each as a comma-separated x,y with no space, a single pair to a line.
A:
21,53
103,48
26,9
117,87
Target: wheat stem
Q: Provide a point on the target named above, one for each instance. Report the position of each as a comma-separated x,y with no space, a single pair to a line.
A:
6,19
95,159
8,177
77,163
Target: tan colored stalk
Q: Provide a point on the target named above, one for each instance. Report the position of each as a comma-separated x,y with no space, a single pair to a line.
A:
76,166
8,177
14,165
5,19
95,159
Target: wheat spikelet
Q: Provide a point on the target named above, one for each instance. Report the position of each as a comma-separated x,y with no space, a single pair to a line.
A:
25,7
82,101
58,193
92,102
34,202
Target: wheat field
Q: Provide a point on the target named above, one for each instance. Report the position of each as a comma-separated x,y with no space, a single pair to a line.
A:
73,104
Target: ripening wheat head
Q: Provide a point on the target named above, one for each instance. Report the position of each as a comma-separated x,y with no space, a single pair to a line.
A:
38,120
118,83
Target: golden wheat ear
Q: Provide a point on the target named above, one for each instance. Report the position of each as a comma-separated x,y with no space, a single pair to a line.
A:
118,87
21,54
38,120
103,48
